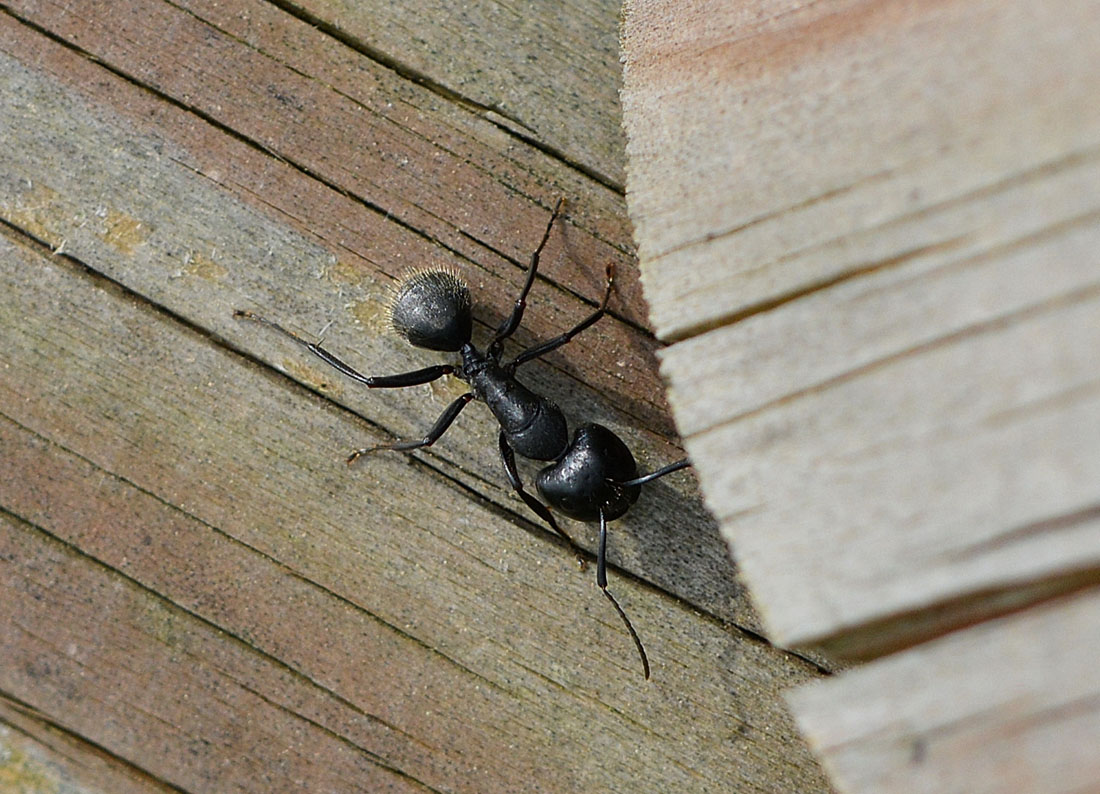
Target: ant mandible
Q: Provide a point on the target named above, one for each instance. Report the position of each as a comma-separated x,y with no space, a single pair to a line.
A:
592,478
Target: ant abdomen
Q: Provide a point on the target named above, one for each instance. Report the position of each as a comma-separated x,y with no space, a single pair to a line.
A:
432,310
590,476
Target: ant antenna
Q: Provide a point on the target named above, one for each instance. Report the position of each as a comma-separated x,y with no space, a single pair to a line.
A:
661,472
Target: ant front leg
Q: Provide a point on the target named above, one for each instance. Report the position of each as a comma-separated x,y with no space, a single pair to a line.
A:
508,458
450,413
509,326
414,378
558,341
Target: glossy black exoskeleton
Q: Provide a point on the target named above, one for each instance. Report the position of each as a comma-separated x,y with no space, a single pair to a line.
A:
592,477
589,477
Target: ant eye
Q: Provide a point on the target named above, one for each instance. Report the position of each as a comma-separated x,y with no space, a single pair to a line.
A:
431,309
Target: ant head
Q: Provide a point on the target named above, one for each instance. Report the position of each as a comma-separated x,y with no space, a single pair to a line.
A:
431,309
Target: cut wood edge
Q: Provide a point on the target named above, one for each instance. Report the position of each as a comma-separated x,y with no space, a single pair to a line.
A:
37,755
1011,706
899,632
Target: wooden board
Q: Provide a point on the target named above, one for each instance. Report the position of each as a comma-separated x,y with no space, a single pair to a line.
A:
202,596
855,136
547,76
888,355
337,272
871,231
1011,706
185,544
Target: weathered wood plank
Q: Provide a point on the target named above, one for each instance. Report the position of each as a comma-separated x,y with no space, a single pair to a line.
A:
1031,247
849,132
171,691
106,186
547,74
393,146
887,265
38,756
962,468
363,622
1010,706
872,231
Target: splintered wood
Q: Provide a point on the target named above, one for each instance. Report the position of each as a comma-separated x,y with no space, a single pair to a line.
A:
872,231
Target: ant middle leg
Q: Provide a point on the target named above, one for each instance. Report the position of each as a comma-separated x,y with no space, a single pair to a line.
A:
553,344
509,326
450,413
414,378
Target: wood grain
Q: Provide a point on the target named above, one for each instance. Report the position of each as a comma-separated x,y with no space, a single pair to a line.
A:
332,268
871,232
851,133
228,608
1009,706
887,356
202,596
548,75
1019,395
397,149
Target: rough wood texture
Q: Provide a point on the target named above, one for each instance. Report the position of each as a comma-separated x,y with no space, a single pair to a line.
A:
872,231
887,266
36,755
198,594
547,75
1009,707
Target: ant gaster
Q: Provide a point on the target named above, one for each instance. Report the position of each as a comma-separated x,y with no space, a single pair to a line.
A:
592,478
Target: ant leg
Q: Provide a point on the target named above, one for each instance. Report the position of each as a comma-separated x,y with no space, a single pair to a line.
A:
508,458
414,378
558,341
509,326
438,429
680,464
601,582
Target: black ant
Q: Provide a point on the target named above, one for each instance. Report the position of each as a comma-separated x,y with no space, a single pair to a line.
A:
592,478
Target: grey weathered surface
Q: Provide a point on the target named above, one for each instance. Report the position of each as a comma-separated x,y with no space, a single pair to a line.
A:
199,594
549,74
1008,707
871,232
887,360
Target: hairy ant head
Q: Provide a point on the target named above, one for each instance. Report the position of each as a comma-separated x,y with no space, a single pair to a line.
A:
431,309
590,476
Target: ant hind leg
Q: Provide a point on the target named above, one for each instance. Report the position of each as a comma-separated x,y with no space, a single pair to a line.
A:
601,582
450,413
